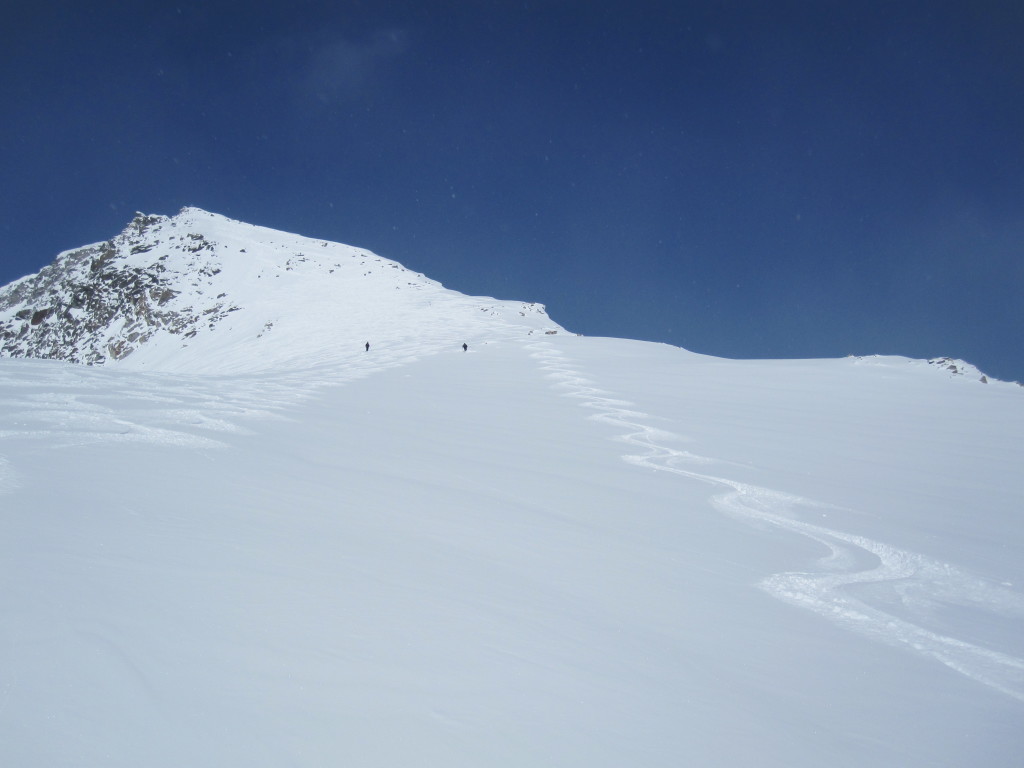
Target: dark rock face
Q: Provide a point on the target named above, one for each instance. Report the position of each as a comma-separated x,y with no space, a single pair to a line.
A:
958,368
101,302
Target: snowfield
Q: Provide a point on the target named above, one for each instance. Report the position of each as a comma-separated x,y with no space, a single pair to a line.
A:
548,551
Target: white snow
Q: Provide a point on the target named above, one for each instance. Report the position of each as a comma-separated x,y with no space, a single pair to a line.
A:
547,551
297,301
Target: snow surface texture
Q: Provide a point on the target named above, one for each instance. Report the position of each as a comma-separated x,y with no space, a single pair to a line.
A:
548,551
915,580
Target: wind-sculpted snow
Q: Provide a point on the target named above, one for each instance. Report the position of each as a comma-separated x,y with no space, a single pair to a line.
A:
66,406
80,405
882,591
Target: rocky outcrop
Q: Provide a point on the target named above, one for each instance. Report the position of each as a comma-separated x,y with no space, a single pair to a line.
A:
958,368
101,302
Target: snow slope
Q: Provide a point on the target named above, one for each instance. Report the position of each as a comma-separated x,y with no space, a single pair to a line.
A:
547,551
201,293
554,551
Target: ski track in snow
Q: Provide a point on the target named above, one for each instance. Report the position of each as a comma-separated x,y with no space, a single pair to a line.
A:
913,582
75,405
72,405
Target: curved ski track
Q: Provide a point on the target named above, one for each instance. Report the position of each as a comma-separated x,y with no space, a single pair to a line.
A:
909,580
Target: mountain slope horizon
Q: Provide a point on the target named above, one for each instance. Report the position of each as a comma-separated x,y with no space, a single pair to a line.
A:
231,547
200,292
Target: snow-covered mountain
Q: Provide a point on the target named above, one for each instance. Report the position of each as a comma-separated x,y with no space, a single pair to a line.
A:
260,544
237,297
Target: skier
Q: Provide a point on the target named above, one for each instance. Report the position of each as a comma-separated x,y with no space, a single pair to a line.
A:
464,346
367,346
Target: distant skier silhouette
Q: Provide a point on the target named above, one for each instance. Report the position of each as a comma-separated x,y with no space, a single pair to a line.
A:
465,347
367,346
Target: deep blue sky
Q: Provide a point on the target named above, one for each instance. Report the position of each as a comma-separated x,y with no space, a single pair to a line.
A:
745,179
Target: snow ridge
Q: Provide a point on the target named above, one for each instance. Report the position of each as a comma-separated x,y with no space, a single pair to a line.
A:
870,587
201,293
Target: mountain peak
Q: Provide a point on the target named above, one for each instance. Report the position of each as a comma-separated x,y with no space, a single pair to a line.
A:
199,292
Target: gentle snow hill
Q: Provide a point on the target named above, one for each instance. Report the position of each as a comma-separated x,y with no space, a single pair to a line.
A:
552,551
243,540
201,293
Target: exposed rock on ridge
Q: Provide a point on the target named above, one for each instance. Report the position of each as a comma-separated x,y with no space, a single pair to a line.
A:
91,305
241,298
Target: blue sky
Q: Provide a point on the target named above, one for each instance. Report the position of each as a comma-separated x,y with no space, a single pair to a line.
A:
744,179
